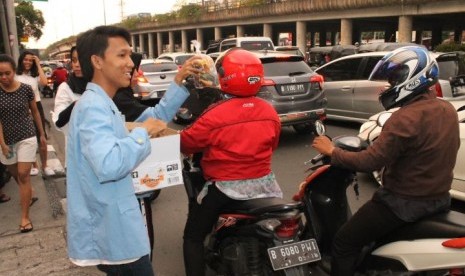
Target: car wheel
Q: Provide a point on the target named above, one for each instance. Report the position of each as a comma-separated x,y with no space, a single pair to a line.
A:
304,128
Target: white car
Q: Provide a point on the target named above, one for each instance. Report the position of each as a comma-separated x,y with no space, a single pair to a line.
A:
177,57
154,79
371,129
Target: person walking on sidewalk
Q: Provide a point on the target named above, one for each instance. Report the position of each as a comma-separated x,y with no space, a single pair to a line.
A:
68,94
18,134
30,72
105,226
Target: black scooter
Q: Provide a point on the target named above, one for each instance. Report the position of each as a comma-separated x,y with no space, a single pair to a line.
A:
255,237
423,246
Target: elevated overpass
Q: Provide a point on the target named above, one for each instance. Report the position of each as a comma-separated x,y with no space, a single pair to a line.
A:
307,23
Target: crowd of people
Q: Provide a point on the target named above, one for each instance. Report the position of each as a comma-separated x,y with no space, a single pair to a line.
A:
105,227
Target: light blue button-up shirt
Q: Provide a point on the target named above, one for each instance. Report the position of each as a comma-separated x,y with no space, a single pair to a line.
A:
104,221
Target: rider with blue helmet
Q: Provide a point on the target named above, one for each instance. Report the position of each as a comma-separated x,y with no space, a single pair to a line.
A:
417,147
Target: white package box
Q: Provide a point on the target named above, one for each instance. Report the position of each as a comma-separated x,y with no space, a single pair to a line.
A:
162,168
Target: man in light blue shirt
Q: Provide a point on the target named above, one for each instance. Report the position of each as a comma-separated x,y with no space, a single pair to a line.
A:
104,223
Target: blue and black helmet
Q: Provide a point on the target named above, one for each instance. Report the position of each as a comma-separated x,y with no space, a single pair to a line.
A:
409,70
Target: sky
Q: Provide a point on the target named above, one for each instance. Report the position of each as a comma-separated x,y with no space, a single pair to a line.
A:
64,18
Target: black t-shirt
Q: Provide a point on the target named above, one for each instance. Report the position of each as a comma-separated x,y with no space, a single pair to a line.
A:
15,116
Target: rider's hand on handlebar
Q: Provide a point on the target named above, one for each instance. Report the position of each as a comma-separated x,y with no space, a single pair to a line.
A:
323,145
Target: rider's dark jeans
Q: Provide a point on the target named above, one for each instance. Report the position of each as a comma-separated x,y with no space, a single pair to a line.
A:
141,267
372,221
199,224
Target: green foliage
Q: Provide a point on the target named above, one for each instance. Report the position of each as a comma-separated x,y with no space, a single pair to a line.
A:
450,47
166,17
251,3
190,11
29,21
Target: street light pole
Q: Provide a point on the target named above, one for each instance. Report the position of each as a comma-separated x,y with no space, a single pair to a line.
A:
5,33
104,13
12,31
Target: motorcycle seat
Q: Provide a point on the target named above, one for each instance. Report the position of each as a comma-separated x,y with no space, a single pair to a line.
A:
449,224
261,206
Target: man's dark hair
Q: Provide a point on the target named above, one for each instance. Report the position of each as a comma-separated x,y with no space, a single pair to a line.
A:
8,59
20,69
95,42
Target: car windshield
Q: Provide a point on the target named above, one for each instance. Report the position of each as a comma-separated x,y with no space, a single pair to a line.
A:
286,68
291,51
451,66
256,45
158,67
181,59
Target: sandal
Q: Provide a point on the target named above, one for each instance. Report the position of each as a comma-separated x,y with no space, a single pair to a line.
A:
4,198
23,229
33,200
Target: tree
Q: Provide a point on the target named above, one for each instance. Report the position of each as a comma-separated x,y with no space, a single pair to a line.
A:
29,21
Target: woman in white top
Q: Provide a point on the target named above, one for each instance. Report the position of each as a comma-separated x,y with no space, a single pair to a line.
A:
68,93
30,72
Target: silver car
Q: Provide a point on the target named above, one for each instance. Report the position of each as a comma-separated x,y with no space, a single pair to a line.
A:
154,79
352,97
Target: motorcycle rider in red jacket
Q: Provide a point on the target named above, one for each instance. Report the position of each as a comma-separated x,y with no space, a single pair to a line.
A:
237,137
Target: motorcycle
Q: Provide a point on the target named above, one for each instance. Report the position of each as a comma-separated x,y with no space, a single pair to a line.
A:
430,245
254,237
47,90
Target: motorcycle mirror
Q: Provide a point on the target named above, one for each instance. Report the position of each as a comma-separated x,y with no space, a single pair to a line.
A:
320,128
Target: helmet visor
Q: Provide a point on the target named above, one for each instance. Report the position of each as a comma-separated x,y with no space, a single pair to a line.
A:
395,69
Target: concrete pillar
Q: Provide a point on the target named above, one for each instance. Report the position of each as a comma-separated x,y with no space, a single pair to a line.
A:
312,39
218,33
334,38
239,31
159,43
268,32
301,32
151,55
171,41
346,31
133,43
199,37
184,42
405,28
141,43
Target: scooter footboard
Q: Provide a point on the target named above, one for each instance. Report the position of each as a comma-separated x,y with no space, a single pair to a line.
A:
424,254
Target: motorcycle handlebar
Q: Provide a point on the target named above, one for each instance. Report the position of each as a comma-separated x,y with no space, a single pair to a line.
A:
315,159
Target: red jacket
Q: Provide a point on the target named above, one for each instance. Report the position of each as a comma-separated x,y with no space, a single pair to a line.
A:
237,138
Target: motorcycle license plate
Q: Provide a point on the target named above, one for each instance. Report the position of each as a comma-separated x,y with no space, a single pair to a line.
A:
294,254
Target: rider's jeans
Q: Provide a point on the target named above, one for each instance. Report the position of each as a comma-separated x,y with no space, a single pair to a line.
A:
372,221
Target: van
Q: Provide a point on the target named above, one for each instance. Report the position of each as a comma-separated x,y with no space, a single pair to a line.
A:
250,43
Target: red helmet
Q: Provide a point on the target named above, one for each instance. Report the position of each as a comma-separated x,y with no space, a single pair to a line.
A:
240,72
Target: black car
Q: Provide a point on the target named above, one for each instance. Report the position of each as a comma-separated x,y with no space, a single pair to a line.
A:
290,86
